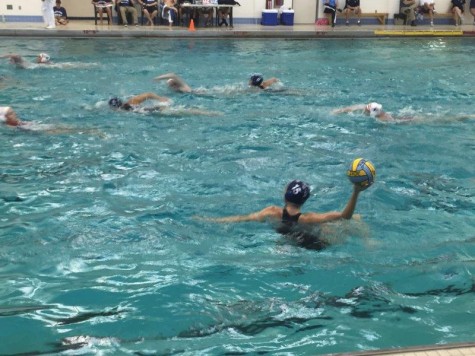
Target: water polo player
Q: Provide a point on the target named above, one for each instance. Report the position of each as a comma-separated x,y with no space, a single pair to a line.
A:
257,80
291,222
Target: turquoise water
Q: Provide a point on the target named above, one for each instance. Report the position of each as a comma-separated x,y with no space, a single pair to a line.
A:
100,250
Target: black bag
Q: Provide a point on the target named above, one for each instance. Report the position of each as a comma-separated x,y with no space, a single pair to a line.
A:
228,2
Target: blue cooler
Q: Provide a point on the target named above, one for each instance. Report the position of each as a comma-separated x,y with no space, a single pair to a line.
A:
269,17
287,17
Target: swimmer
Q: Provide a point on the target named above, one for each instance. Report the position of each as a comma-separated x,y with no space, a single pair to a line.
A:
135,101
376,110
372,109
43,60
9,117
133,104
257,80
20,62
294,224
175,83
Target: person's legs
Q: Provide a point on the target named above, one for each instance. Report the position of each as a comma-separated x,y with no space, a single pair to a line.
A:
123,15
347,15
100,13
135,16
147,16
48,13
430,10
331,15
358,13
458,15
153,15
410,13
109,13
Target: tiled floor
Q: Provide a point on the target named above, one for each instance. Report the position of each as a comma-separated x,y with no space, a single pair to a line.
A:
87,28
465,349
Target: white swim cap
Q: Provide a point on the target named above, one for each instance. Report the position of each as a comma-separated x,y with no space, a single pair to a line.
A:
3,113
374,109
44,57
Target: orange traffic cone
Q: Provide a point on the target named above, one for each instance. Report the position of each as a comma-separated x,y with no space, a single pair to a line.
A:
192,26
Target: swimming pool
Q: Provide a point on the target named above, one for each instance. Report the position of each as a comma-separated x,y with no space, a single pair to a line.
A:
100,247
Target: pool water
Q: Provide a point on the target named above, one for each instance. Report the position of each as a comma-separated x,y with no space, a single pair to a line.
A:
101,250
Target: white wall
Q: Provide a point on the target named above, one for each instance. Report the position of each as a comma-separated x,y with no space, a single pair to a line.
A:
26,8
304,9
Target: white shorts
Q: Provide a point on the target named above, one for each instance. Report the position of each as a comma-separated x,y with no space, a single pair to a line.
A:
430,2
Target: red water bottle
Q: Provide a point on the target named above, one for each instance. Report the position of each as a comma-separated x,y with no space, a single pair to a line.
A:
268,4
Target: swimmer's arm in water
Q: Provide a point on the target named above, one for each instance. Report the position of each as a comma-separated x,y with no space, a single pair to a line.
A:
271,212
16,60
351,108
384,116
346,213
175,82
167,76
139,99
267,83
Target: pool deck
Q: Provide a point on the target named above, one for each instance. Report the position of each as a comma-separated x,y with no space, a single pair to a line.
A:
87,28
460,349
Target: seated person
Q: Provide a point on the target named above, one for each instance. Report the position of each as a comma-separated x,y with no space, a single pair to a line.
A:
427,7
223,14
181,10
408,8
169,11
329,8
100,6
60,15
257,80
457,11
207,13
352,6
126,7
150,10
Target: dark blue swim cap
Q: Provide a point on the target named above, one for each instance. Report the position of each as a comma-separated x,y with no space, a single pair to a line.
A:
297,192
115,102
256,80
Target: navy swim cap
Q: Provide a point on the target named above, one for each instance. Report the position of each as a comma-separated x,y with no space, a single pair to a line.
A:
257,79
115,102
297,192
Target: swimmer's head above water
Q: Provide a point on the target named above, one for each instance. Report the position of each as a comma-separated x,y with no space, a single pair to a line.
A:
4,112
374,109
43,58
256,80
8,116
116,103
297,192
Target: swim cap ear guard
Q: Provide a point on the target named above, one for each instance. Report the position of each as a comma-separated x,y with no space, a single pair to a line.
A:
3,113
374,109
44,57
115,102
256,80
297,192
